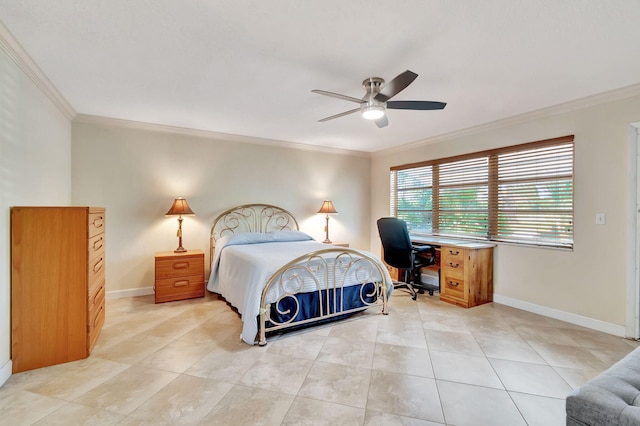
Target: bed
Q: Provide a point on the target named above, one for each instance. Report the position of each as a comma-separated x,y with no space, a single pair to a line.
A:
278,277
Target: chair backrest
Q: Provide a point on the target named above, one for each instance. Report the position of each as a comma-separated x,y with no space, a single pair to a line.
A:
396,243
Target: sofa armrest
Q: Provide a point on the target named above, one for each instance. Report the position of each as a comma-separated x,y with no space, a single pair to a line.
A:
611,398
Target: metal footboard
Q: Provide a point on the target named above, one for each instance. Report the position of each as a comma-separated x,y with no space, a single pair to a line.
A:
328,273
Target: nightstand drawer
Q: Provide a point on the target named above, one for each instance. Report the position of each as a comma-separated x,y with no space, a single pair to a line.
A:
178,288
180,267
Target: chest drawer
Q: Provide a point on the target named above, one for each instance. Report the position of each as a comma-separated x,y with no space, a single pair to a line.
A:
96,246
96,269
96,314
96,296
96,222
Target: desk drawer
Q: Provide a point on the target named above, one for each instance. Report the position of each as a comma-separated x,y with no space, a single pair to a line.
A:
453,272
453,286
452,257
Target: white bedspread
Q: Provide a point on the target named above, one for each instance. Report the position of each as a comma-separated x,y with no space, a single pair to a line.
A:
243,264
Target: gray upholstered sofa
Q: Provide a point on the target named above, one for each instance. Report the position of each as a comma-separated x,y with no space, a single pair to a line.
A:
611,398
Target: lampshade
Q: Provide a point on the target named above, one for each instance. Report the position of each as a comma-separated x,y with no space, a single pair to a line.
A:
327,208
179,208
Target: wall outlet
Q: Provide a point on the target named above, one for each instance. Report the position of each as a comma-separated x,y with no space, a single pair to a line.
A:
600,219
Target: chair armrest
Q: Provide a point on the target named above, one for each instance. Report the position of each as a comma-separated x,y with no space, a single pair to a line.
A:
422,249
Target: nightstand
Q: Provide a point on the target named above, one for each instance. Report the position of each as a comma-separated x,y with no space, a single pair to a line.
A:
179,275
339,244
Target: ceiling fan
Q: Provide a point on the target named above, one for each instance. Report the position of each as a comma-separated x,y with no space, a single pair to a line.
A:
376,101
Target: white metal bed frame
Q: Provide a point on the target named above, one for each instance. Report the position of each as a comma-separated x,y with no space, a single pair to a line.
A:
328,269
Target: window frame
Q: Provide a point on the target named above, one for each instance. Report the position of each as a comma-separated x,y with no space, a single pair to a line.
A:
563,238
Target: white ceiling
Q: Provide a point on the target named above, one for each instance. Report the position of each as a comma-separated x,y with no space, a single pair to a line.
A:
247,67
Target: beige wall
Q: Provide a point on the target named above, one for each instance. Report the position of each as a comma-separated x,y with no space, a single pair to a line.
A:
35,167
589,281
136,174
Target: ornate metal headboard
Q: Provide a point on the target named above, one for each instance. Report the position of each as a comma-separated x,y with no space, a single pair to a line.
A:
251,218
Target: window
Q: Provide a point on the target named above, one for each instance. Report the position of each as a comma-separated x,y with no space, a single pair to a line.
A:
519,194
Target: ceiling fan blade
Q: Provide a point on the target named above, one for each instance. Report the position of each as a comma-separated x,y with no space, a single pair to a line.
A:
382,121
337,95
395,86
419,105
342,114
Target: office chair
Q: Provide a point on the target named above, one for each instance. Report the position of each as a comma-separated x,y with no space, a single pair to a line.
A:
398,252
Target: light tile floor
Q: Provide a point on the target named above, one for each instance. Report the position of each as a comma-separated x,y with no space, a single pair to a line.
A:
426,363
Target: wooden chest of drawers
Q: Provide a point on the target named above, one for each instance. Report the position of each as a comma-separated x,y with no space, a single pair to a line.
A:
57,284
466,275
179,275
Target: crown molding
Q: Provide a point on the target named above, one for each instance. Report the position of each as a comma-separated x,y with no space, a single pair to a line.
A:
577,104
207,134
16,52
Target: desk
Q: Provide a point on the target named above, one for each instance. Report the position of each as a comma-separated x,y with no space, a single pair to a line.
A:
466,270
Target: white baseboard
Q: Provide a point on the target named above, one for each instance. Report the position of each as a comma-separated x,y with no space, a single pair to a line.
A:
5,372
605,327
132,292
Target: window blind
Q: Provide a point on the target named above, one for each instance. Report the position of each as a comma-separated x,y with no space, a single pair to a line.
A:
463,208
519,194
535,196
413,198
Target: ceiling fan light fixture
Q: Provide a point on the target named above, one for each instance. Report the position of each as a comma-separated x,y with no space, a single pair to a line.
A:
372,112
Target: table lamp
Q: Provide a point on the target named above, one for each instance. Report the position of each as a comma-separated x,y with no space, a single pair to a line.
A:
327,208
179,208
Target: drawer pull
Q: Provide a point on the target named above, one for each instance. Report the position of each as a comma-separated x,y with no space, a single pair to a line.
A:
182,283
181,265
98,265
97,245
454,266
454,253
97,296
453,284
98,222
95,321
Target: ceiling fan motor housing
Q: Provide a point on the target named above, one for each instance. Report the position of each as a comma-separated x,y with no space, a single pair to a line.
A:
373,84
371,108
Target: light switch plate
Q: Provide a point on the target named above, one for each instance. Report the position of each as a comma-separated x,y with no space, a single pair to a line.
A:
600,219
